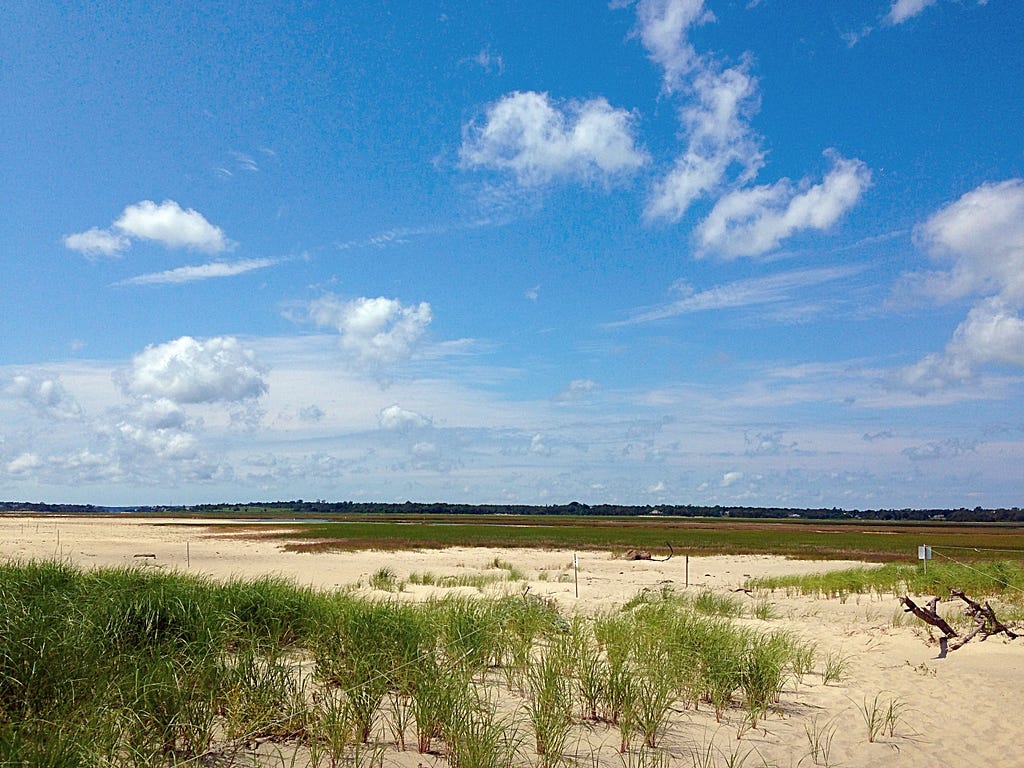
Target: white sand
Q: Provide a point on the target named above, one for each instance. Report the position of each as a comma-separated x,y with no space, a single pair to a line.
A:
965,709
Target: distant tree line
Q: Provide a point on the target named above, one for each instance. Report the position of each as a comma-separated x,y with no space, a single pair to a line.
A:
302,508
38,506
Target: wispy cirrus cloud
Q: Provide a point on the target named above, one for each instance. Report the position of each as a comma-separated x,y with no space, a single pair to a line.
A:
405,235
756,291
394,236
899,12
902,10
192,273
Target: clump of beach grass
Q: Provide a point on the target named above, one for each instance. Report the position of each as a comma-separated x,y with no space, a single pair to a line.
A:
122,667
982,579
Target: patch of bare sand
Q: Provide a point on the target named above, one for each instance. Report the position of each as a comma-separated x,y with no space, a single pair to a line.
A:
961,710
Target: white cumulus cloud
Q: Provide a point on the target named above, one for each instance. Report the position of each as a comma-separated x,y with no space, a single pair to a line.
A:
47,394
397,418
172,226
161,442
992,333
730,479
578,389
167,223
722,152
376,332
981,237
539,141
901,10
719,138
663,27
24,464
97,242
188,370
753,221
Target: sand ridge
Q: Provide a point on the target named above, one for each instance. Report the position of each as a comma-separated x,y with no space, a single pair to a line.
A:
961,710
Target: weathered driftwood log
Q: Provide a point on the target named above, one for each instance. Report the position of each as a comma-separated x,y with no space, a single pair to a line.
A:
984,617
636,554
929,615
640,554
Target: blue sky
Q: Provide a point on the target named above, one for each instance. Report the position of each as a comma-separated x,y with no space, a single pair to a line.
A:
665,251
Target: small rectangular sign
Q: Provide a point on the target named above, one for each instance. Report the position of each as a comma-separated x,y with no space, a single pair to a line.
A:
924,552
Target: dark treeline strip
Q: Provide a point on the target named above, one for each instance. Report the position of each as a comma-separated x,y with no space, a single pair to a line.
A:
303,508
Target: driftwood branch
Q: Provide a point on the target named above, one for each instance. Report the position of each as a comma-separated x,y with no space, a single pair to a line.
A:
640,554
985,621
670,553
985,616
929,615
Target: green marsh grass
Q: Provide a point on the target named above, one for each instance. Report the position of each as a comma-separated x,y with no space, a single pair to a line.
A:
805,539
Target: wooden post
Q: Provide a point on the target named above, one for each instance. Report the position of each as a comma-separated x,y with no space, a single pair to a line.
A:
188,556
576,573
687,571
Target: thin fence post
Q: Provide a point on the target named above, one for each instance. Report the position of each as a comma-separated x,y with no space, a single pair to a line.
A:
576,573
687,571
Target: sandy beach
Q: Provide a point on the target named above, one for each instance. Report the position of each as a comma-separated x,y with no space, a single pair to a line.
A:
964,709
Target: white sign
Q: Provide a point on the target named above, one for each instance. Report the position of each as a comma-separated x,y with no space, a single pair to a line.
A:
924,552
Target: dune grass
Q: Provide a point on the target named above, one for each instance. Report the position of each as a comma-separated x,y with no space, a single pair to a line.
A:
122,667
979,579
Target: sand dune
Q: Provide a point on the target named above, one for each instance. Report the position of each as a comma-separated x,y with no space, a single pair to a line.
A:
962,710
